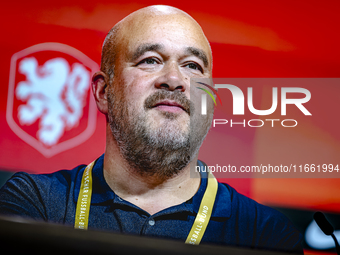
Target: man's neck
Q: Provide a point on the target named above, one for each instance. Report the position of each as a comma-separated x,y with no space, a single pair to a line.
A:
152,194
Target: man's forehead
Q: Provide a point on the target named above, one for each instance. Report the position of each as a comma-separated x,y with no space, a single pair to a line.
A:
154,24
168,29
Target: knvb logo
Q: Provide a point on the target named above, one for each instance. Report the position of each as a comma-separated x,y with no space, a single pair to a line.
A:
49,106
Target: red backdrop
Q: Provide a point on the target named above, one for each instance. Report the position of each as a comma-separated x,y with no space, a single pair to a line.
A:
251,39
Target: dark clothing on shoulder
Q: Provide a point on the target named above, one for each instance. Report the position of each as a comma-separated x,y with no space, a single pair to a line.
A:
236,220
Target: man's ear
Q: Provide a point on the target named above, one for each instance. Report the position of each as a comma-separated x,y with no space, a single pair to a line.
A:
99,89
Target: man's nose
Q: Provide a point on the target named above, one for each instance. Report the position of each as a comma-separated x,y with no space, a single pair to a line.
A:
171,78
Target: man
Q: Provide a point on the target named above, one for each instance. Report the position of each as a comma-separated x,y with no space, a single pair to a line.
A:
142,184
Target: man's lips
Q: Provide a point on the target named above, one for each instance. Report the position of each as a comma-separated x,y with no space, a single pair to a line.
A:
169,106
169,101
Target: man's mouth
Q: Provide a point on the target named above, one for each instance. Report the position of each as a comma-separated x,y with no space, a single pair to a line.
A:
169,102
169,106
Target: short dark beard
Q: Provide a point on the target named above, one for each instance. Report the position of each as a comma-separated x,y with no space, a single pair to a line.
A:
160,154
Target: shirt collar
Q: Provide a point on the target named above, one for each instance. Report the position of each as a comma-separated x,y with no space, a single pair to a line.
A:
101,192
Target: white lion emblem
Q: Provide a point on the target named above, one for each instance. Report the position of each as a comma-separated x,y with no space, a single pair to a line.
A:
53,93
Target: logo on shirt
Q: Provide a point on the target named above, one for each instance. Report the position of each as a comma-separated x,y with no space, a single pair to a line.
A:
49,104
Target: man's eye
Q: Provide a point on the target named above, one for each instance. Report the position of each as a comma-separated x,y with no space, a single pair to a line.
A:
149,61
194,66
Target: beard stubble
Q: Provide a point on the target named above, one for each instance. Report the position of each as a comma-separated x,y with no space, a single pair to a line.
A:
161,151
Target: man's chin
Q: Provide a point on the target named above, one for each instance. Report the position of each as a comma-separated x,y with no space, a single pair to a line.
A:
163,119
169,130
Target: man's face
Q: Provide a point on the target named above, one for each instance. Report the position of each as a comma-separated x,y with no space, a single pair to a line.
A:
149,102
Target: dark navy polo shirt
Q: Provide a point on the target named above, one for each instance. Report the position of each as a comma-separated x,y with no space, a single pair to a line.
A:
236,220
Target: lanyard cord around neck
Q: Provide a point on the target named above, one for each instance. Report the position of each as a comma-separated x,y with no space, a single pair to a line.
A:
197,230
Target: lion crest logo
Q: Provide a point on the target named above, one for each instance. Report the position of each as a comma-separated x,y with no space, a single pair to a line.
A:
49,92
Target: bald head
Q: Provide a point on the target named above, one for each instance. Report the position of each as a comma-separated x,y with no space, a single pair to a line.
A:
164,22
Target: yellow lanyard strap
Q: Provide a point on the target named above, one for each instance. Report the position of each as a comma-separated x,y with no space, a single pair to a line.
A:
84,199
204,213
197,230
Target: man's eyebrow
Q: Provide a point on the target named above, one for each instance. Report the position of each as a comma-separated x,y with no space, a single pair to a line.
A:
198,53
145,48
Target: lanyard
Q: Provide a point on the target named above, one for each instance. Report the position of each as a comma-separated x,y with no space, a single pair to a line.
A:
197,230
